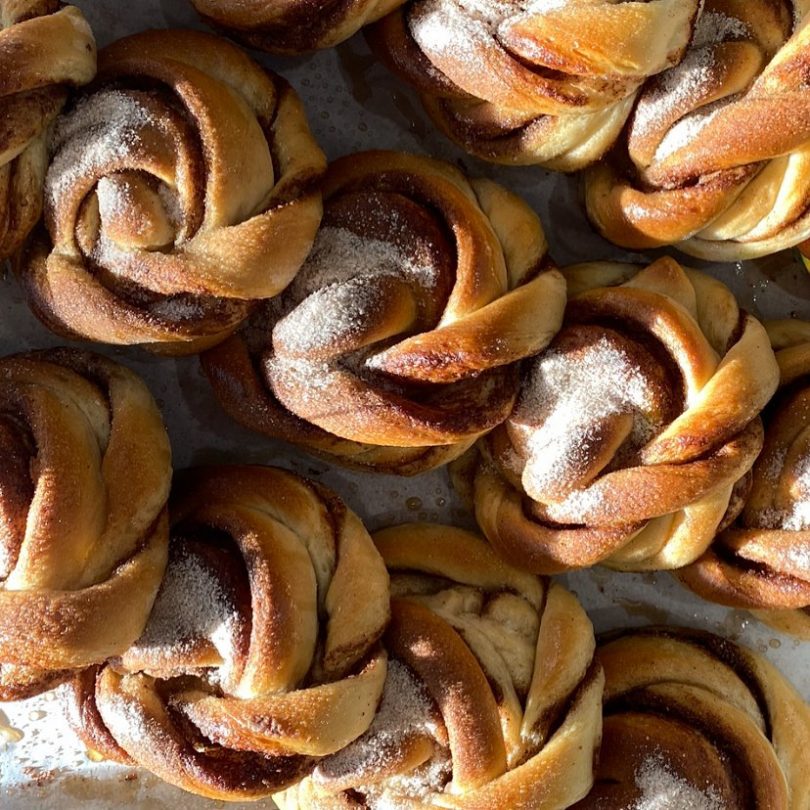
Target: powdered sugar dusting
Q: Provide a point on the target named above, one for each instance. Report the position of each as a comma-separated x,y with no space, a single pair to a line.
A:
103,129
340,254
451,26
796,517
334,296
405,711
689,128
566,402
680,88
714,26
661,789
191,604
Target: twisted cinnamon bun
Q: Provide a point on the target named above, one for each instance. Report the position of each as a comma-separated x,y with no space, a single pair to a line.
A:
261,654
533,82
46,48
396,345
695,721
492,698
182,190
762,561
83,528
293,26
716,157
634,432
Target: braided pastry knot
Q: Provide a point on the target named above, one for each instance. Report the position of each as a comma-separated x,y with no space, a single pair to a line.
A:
492,700
522,83
293,26
717,153
84,480
182,190
45,49
261,654
396,345
633,433
762,562
695,721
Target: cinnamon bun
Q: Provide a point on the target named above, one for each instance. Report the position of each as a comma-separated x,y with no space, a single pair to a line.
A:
533,82
492,699
762,561
634,432
83,528
695,721
261,655
293,26
716,158
46,50
396,345
183,189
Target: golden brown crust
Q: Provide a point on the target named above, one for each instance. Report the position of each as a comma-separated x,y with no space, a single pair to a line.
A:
46,49
83,526
716,157
552,86
262,654
293,27
183,190
493,698
634,428
396,346
693,714
762,561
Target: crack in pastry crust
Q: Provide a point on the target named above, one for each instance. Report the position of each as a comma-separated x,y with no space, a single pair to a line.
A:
716,157
46,50
261,655
762,561
397,344
519,82
493,697
634,431
83,526
692,716
183,189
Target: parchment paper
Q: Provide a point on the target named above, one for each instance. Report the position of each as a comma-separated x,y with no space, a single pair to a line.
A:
354,104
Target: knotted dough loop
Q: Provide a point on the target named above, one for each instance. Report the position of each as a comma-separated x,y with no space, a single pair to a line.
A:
762,562
83,528
716,157
524,83
492,698
396,345
261,654
633,433
691,715
182,190
46,48
293,26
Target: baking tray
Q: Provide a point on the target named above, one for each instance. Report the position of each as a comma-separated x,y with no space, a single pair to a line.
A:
354,104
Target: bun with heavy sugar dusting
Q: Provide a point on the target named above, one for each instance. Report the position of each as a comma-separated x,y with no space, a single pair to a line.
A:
262,652
633,435
183,189
397,344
